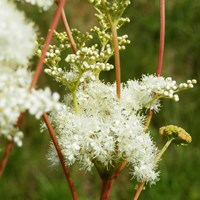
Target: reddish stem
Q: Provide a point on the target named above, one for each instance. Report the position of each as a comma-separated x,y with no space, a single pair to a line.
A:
35,78
139,190
9,147
107,183
61,157
158,72
6,155
117,60
47,42
68,31
162,38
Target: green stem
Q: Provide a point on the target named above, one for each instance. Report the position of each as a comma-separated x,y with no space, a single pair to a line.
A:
148,120
163,150
75,101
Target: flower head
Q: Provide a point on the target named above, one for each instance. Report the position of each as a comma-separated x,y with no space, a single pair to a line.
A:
15,98
104,131
17,36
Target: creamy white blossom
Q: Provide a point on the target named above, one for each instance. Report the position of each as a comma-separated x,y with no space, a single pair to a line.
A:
44,4
15,98
17,36
105,130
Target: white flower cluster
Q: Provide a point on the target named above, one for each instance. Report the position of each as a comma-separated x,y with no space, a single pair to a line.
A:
164,87
17,43
17,36
107,130
15,98
103,131
86,58
44,4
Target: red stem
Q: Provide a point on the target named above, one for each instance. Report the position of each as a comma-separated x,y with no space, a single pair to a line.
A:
107,183
162,38
159,70
6,155
117,60
48,39
139,190
61,157
68,31
9,147
39,67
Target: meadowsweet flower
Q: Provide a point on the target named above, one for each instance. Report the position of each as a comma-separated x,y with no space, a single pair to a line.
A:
15,98
44,4
17,36
104,131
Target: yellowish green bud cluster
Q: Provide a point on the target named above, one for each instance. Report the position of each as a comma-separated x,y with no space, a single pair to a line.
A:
178,134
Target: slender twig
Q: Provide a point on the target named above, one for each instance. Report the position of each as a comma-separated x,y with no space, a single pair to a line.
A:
9,147
39,67
139,190
117,59
68,31
6,156
148,120
60,155
141,185
158,72
47,42
107,183
162,38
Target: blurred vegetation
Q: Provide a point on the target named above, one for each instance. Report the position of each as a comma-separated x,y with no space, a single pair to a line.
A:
28,174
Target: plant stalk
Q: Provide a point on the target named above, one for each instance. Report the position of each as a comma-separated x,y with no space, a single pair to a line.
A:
107,183
141,185
158,73
38,71
162,38
117,59
9,147
47,42
60,155
68,31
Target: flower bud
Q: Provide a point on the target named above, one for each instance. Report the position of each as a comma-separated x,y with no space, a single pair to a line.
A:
179,135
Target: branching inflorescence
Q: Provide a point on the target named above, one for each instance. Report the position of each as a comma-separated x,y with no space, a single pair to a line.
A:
98,124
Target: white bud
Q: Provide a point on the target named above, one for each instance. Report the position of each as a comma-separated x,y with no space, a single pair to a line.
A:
176,97
194,81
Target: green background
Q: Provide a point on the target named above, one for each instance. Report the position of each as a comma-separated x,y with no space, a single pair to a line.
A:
29,176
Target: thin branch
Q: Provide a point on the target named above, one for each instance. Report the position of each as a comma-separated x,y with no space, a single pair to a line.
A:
61,157
9,147
6,156
39,68
139,190
158,72
68,31
117,59
107,183
47,42
162,38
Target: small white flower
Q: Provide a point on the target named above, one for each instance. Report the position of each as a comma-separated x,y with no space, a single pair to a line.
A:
103,125
15,98
17,36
